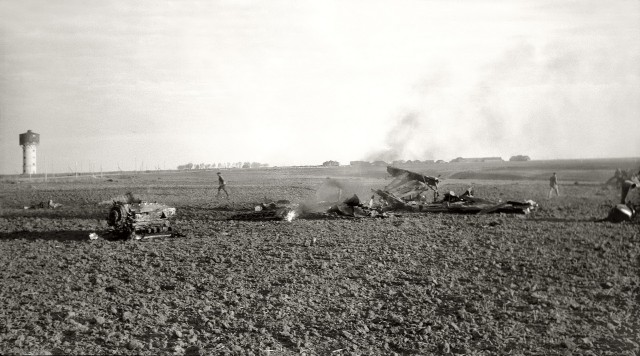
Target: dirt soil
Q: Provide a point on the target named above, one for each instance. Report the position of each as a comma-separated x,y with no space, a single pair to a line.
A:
554,282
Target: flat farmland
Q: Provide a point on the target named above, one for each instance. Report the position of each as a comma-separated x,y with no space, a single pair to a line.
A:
553,282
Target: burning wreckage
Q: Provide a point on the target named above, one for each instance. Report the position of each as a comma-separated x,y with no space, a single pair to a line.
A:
407,191
351,207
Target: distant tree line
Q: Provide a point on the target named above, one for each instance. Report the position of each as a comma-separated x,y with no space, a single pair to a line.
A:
384,163
477,159
222,165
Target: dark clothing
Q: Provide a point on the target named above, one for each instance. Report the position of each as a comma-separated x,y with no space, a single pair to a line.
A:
221,186
553,183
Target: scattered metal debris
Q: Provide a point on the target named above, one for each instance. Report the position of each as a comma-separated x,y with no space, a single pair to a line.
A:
407,190
352,207
44,205
269,213
407,186
284,210
269,210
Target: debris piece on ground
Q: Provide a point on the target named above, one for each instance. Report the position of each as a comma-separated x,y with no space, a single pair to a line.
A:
44,205
352,207
620,213
271,205
629,202
479,206
273,214
140,220
280,210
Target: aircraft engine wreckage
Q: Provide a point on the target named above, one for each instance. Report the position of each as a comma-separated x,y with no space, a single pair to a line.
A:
140,219
629,204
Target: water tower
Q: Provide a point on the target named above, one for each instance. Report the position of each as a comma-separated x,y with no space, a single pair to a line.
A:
29,140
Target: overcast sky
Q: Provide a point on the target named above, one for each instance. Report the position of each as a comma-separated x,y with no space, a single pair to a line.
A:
116,83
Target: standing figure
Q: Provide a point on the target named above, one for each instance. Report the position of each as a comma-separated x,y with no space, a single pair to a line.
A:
553,183
222,185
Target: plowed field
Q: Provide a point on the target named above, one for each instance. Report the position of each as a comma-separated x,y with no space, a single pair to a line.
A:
553,282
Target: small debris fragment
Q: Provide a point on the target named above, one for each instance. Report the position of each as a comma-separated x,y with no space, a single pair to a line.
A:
42,205
568,344
446,348
606,285
192,351
134,345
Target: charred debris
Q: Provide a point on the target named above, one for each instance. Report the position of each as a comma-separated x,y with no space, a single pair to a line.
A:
137,219
407,192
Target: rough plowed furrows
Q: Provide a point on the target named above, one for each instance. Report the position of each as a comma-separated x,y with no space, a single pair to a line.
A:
551,283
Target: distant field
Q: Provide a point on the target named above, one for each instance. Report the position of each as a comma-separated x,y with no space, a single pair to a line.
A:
555,282
581,170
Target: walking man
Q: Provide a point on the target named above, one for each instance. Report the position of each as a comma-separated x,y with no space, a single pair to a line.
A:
553,183
222,186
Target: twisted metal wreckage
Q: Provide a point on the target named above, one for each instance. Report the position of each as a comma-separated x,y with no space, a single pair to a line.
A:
406,192
136,219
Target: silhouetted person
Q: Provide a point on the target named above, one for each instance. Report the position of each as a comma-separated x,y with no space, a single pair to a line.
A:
553,183
222,185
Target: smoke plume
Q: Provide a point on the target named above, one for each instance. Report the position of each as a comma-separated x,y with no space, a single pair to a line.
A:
553,101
